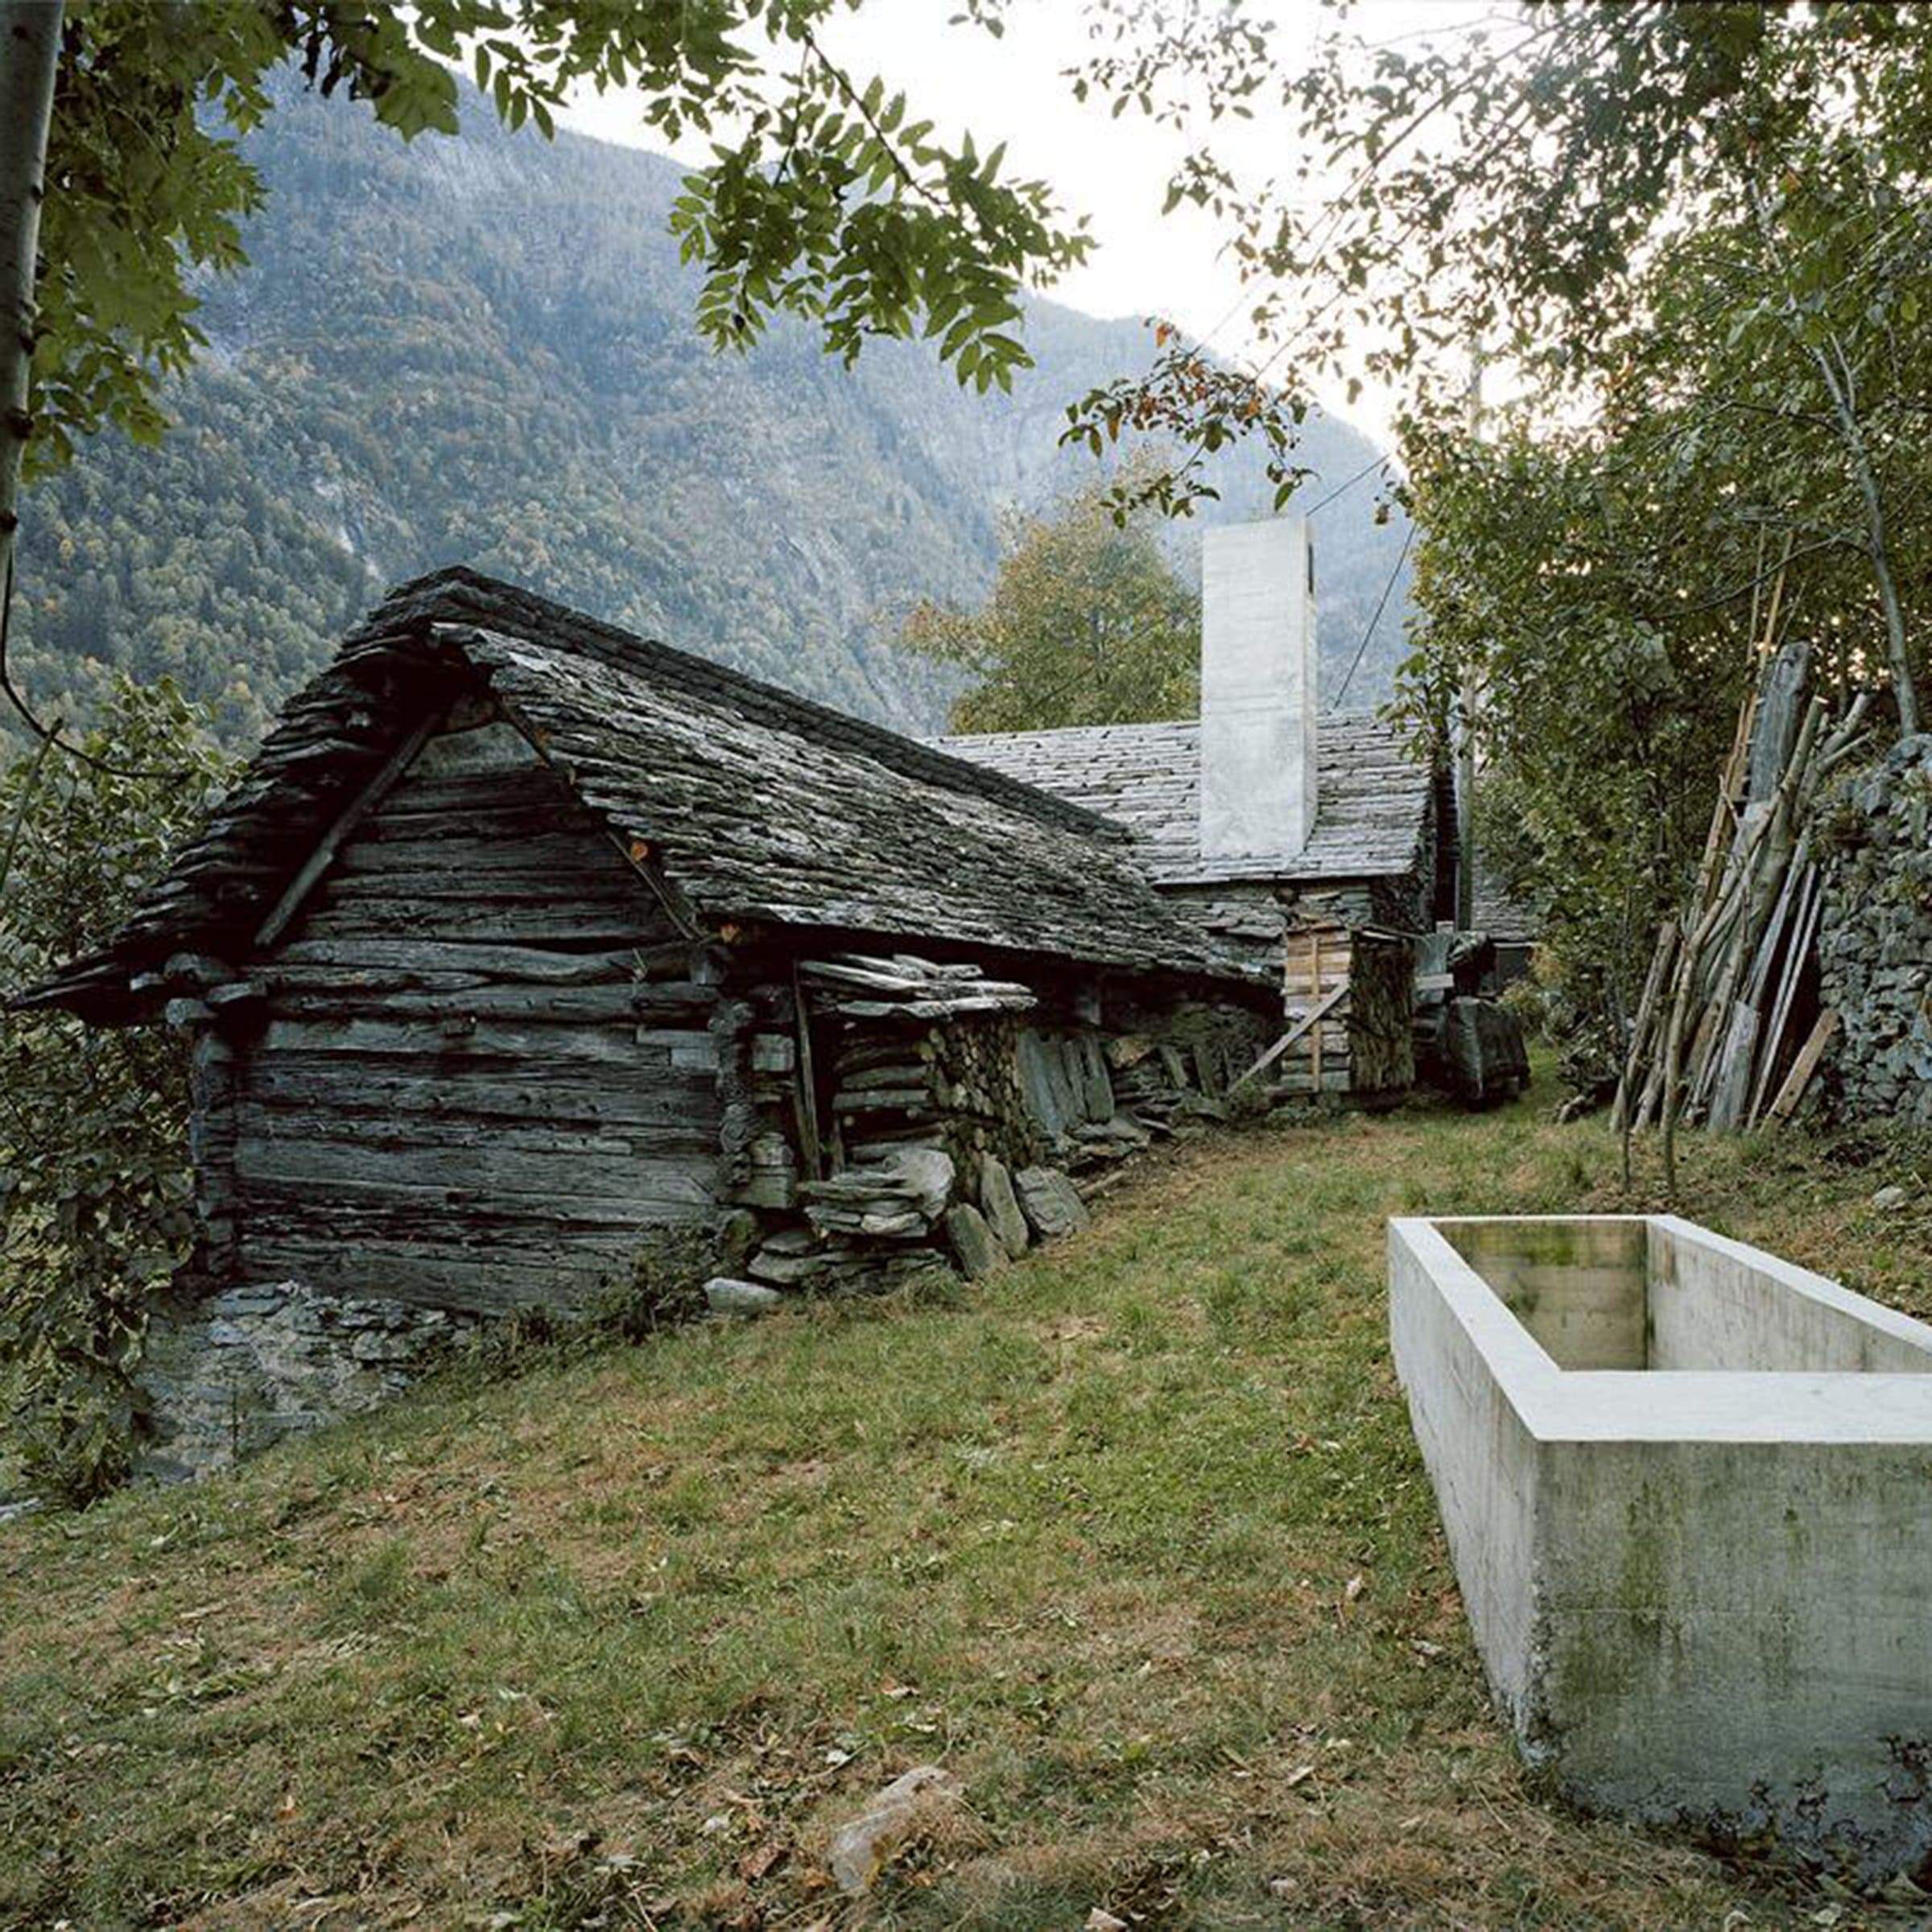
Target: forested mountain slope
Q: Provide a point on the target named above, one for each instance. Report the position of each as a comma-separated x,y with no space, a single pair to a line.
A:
481,350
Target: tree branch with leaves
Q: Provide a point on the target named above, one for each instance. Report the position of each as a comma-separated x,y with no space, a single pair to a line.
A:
823,199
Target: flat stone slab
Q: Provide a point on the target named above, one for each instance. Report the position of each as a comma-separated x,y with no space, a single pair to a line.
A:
975,1245
1684,1484
723,1295
1051,1202
1001,1206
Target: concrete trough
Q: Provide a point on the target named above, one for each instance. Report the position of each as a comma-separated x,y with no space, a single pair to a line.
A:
1688,1490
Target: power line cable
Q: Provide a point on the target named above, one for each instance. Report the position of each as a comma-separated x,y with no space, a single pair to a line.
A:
1375,462
1382,605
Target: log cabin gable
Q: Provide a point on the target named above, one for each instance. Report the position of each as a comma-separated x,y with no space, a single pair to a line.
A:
742,803
482,1059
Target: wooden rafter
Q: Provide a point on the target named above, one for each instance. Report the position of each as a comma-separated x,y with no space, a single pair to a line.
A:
365,802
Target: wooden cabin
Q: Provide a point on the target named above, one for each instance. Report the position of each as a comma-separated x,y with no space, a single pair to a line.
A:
526,947
523,937
1310,840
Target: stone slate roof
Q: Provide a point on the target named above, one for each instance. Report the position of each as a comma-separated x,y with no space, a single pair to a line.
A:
755,807
1372,800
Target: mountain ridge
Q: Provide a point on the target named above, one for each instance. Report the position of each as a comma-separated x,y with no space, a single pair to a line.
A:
479,349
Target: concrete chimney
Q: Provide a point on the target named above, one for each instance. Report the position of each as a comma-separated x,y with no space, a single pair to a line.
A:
1258,689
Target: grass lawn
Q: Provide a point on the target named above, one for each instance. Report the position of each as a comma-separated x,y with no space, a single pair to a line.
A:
1133,1538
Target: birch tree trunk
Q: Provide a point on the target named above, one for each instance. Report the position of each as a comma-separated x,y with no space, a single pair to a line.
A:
29,54
1841,388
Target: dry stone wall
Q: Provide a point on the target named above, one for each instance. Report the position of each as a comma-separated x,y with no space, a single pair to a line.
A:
232,1374
1875,939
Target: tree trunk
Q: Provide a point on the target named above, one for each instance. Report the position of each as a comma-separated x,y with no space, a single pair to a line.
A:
1862,473
30,55
1841,387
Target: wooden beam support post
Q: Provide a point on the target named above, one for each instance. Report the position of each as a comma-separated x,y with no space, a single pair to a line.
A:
1312,1017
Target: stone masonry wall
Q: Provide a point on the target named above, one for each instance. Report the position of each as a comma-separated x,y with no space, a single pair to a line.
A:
1875,939
227,1376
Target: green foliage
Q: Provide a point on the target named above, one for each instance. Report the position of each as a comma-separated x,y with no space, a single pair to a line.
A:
1505,182
665,1288
824,201
1088,624
1601,721
93,1167
1600,583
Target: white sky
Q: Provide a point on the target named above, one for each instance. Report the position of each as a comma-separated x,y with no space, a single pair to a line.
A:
1114,172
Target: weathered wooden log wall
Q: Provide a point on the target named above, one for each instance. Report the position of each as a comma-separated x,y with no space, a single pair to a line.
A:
476,1065
484,1060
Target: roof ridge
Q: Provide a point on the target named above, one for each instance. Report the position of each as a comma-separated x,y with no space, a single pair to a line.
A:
757,806
1357,716
458,594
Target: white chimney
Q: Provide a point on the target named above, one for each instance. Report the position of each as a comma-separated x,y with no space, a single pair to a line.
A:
1258,689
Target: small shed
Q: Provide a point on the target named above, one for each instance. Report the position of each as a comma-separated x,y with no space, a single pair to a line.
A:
1505,921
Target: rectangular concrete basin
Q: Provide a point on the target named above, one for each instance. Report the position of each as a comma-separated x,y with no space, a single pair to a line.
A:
1687,1488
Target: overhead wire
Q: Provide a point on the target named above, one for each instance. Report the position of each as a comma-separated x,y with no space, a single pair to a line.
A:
1382,605
1375,462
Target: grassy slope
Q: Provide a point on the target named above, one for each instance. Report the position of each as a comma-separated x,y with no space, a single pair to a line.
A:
620,1641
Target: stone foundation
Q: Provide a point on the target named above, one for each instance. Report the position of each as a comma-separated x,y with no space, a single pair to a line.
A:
226,1377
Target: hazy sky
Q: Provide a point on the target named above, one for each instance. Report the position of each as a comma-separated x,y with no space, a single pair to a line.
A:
1113,171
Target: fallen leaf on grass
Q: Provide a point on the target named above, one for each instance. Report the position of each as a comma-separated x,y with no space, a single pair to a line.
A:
867,1843
754,1864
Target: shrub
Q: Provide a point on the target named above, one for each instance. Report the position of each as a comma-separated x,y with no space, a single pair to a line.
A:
94,1178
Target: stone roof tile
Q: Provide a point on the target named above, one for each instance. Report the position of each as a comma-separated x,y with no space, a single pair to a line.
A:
1372,798
756,806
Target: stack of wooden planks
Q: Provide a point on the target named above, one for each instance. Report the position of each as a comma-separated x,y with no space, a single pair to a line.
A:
1348,994
1726,1031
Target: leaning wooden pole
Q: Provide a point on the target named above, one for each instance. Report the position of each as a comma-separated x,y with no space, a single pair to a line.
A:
29,58
1654,982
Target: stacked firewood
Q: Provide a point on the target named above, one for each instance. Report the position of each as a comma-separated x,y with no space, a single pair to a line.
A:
904,987
1155,1081
1717,1037
944,1112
